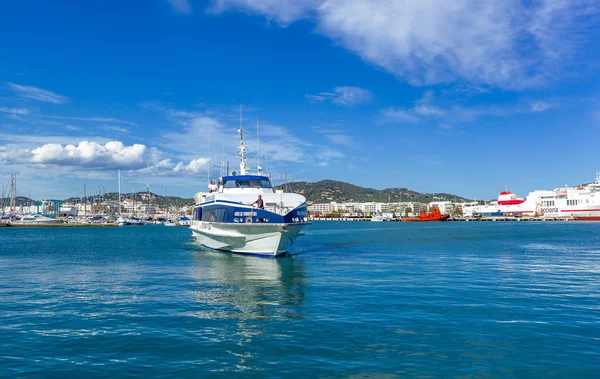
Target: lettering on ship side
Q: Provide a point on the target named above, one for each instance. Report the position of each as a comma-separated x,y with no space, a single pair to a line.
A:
243,214
549,210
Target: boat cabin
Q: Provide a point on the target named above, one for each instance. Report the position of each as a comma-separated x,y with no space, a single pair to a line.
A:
243,182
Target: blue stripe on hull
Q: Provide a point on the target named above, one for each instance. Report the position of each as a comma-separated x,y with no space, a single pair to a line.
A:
229,213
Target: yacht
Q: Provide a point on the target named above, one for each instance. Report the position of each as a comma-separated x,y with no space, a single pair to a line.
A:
382,217
229,218
39,219
184,221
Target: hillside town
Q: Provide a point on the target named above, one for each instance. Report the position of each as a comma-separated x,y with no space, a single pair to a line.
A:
393,209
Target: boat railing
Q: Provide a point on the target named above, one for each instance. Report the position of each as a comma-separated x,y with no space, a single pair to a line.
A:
277,208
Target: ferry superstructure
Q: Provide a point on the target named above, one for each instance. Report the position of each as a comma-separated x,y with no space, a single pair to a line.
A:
228,218
580,202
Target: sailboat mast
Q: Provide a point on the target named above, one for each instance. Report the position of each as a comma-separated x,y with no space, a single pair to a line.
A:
119,205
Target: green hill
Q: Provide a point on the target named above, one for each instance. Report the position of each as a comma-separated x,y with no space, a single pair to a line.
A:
330,190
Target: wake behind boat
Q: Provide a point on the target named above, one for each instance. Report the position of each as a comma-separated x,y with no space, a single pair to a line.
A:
245,214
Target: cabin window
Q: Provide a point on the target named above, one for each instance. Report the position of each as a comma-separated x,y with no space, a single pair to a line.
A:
247,183
214,215
198,213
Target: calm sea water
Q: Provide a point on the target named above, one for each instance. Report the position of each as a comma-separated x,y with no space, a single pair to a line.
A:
356,299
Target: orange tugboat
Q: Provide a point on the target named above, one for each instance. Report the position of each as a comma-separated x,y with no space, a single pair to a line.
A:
433,215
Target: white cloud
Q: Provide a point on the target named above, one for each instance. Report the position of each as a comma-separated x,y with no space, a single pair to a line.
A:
399,115
118,129
540,106
94,156
34,139
38,94
194,166
211,137
428,111
283,12
316,97
507,44
344,95
424,109
336,136
181,6
15,111
340,139
95,119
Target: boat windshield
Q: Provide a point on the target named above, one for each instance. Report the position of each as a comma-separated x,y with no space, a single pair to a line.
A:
246,183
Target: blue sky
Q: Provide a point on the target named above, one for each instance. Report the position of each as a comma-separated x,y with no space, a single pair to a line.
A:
463,97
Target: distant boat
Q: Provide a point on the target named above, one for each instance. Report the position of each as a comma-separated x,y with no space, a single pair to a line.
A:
136,221
184,221
382,217
40,219
169,223
433,215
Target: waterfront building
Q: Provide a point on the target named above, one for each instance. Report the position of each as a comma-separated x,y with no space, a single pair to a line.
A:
445,207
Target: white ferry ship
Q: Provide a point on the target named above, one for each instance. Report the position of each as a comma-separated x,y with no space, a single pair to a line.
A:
581,203
230,219
476,209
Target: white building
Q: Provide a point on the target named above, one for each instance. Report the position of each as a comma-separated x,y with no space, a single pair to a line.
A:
368,207
445,207
412,206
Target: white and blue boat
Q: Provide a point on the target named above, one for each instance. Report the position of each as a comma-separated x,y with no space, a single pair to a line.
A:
228,219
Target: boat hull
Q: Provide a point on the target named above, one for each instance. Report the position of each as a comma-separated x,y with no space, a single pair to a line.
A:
253,239
433,215
587,218
425,219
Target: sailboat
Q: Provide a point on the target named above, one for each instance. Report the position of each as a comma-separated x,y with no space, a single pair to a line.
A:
168,221
121,221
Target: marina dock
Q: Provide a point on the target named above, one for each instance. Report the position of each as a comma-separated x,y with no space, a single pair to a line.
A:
469,219
65,225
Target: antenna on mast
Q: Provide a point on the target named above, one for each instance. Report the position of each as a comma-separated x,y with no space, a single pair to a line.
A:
222,160
258,168
208,171
242,149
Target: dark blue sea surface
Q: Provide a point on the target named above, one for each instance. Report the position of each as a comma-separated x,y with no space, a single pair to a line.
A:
357,299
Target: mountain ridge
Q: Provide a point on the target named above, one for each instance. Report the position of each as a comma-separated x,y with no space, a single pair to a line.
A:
323,191
326,191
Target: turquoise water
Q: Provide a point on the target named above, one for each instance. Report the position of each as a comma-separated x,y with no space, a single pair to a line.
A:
357,299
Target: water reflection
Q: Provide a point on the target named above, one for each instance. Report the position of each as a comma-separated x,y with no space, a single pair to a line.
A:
246,296
251,287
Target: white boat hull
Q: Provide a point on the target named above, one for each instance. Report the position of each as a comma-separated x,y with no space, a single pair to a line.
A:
255,239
